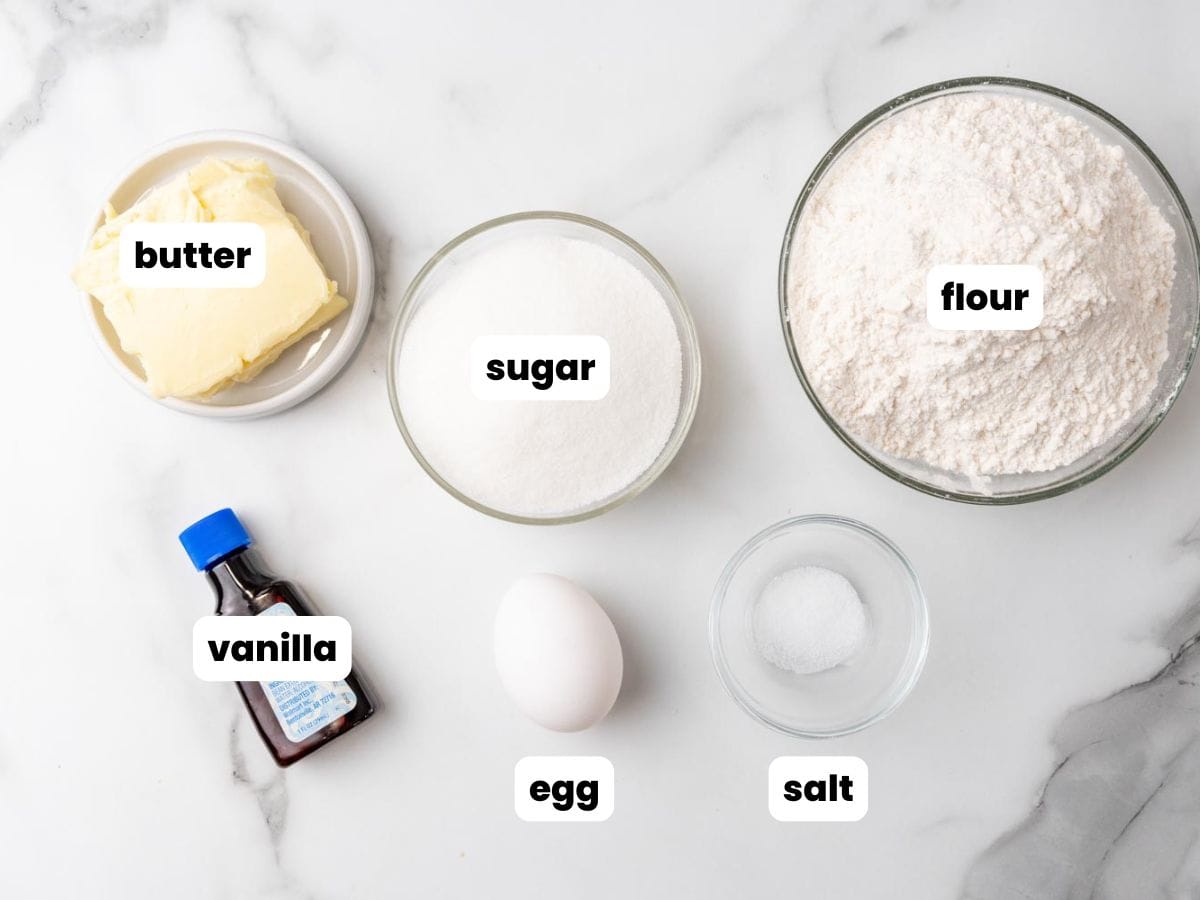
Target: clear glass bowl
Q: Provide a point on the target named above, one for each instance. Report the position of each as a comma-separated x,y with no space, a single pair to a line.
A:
851,696
484,236
1184,328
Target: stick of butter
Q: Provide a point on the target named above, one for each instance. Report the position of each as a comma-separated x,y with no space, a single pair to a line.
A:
193,342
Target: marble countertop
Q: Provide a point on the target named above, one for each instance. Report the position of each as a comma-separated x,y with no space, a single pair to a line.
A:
1052,747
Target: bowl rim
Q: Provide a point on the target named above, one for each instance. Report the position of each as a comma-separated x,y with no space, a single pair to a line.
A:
720,662
685,327
361,304
881,112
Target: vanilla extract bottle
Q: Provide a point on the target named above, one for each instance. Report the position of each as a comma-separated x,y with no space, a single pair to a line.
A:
294,718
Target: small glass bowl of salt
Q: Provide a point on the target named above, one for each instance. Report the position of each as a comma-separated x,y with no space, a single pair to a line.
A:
790,642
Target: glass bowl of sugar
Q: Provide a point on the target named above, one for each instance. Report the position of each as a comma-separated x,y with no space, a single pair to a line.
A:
991,171
544,368
781,640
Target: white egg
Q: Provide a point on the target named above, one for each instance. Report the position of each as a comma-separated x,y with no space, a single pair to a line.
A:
557,653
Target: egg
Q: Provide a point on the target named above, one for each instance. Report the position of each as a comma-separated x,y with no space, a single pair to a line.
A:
557,653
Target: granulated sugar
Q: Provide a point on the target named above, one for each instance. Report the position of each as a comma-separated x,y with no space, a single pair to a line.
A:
969,179
809,619
549,458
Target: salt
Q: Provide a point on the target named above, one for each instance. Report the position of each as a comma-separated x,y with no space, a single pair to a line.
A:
542,459
809,619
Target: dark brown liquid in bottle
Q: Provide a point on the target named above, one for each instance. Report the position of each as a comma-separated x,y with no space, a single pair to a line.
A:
245,589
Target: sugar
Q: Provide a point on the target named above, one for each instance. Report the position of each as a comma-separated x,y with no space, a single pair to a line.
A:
541,459
809,619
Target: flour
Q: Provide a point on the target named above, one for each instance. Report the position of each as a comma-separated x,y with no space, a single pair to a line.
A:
982,180
551,458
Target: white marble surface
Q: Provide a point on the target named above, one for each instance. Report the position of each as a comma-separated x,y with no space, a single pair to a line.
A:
1052,747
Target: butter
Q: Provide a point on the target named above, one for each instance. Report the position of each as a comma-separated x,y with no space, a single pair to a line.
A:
193,342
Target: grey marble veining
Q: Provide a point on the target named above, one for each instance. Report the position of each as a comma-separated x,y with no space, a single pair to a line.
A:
1119,815
79,29
1052,748
270,793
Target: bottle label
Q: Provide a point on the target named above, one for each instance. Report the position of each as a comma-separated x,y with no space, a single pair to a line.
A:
305,707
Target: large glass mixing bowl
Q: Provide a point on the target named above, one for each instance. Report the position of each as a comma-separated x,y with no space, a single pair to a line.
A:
1184,327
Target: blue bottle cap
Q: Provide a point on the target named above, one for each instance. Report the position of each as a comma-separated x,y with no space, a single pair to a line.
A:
214,537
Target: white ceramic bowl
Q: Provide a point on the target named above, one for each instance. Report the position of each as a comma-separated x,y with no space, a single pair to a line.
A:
339,238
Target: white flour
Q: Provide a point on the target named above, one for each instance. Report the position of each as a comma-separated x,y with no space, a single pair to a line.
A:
982,180
547,458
